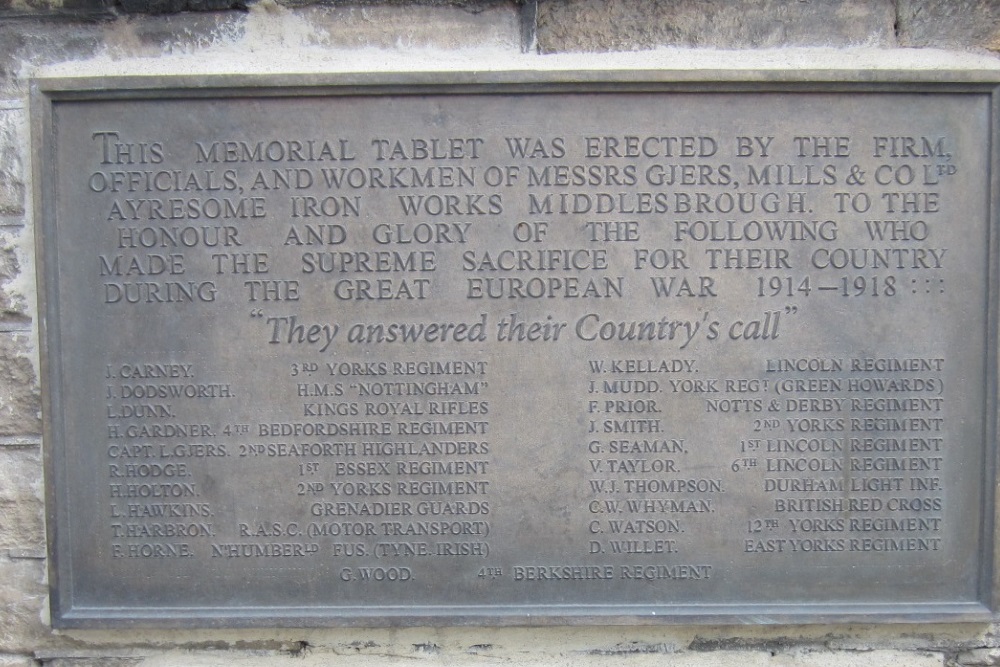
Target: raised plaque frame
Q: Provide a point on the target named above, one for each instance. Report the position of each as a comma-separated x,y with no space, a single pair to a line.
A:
56,344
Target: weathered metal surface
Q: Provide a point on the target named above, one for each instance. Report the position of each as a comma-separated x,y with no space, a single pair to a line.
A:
416,355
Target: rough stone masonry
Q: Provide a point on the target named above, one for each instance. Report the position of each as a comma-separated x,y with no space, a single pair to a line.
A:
116,37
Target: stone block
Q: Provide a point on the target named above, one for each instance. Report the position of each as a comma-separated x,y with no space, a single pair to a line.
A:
22,506
17,661
24,614
20,399
12,151
522,658
385,27
28,43
949,23
858,659
270,26
980,657
599,25
152,6
22,6
156,36
933,638
214,5
17,283
92,662
173,6
22,598
82,9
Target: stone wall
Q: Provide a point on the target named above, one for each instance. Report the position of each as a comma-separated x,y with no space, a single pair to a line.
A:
102,37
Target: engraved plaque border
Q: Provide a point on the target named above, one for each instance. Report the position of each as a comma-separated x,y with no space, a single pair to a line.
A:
48,93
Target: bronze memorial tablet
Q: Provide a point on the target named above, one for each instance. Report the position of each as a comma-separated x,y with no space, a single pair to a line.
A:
398,350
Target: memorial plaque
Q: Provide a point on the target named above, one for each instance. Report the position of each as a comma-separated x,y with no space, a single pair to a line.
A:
403,351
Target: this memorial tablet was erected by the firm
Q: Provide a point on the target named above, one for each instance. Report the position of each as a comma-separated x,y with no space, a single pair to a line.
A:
391,351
